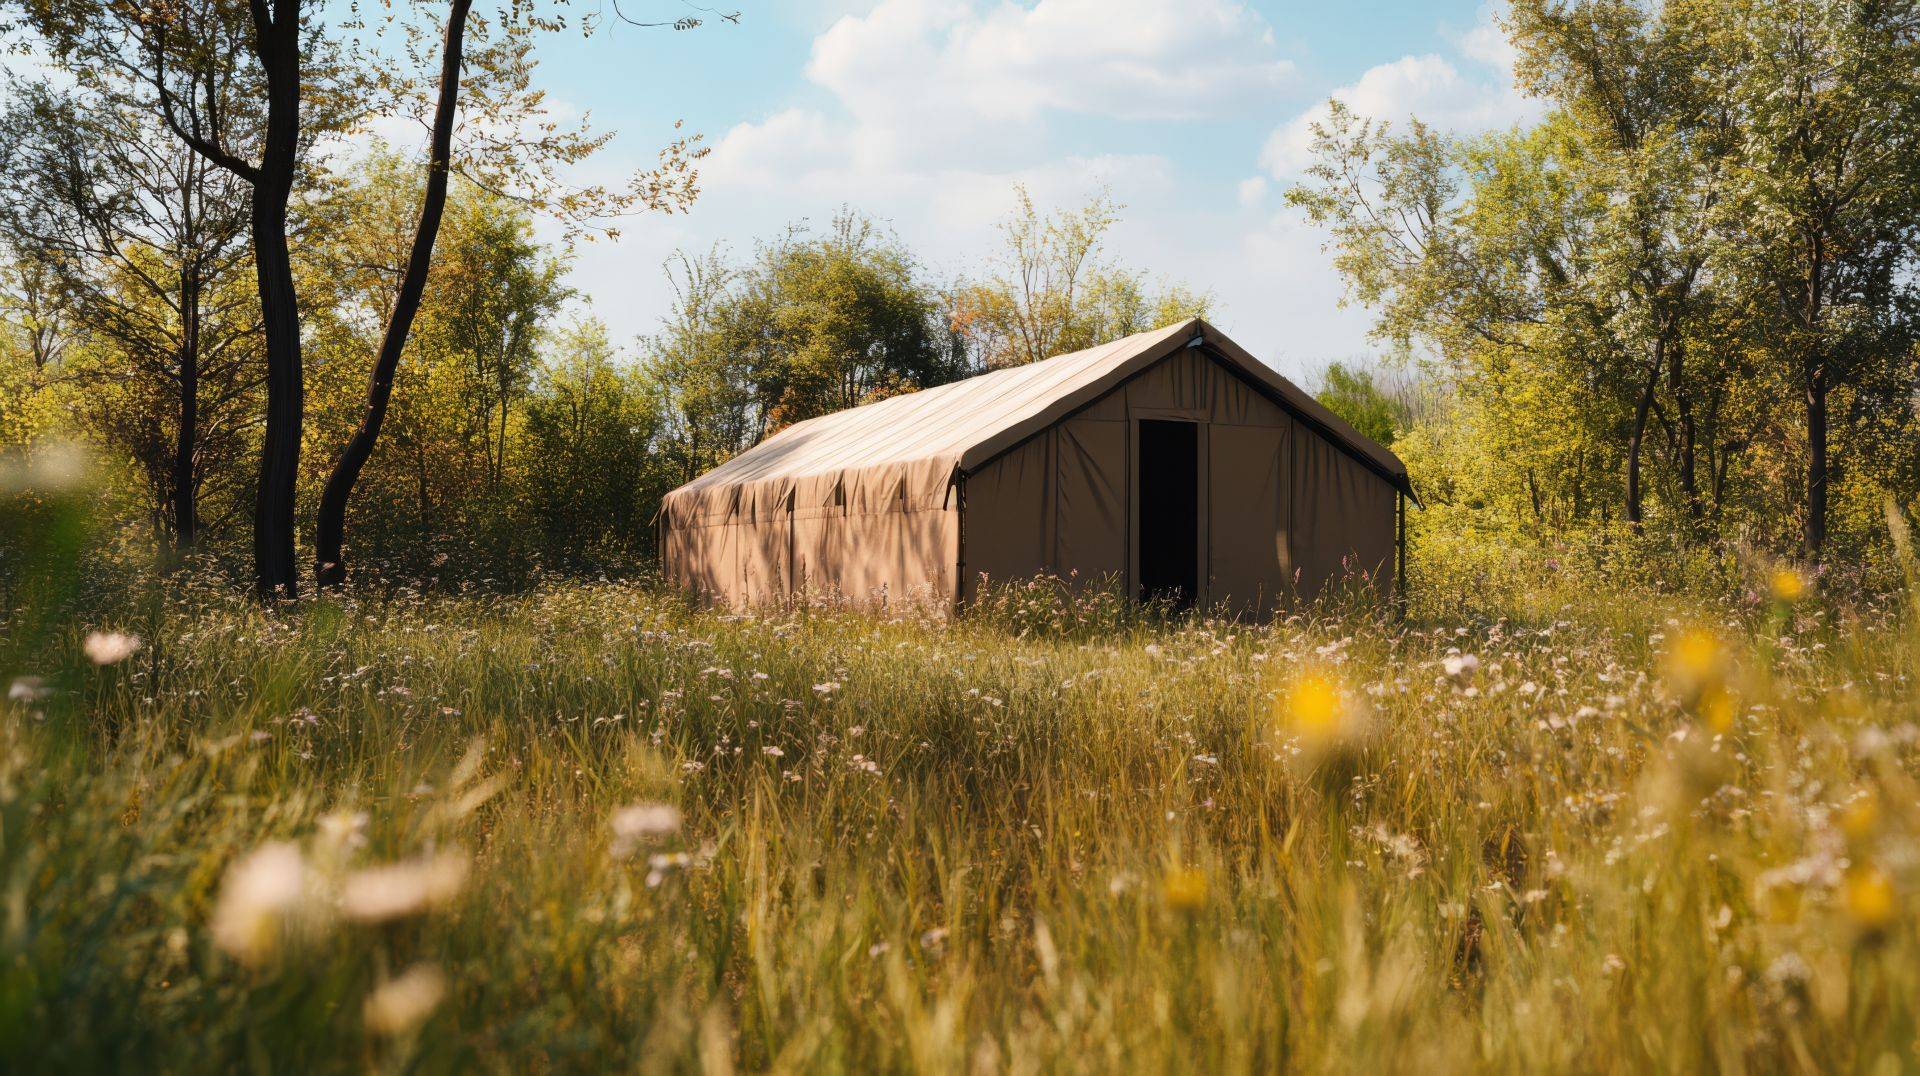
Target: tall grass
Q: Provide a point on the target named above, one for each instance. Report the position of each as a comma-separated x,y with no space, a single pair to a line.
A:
1620,832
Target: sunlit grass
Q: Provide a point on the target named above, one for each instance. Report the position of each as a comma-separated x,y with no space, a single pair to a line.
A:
594,828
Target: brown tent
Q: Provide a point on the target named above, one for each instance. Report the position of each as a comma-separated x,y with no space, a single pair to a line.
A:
1171,461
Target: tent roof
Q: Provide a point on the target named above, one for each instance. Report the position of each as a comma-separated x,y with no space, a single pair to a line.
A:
966,424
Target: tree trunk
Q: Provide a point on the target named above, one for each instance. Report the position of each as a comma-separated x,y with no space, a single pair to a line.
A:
1635,514
1815,536
1683,403
276,575
185,511
330,568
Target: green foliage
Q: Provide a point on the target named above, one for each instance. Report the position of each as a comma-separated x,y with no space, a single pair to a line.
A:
1051,290
812,324
1351,393
824,323
1679,301
593,475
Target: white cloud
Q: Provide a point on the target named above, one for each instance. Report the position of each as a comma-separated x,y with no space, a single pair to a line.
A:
1486,43
941,106
1133,59
925,113
1478,96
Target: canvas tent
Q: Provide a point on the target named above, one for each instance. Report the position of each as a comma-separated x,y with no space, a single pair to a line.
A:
1171,462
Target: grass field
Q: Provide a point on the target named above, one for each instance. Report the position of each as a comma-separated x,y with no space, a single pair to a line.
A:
593,828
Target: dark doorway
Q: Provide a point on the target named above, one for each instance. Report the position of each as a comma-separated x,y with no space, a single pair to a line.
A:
1169,512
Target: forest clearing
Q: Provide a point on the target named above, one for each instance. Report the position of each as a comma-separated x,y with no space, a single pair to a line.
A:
960,535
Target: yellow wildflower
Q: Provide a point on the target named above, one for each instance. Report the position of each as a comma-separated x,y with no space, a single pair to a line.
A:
1698,667
1859,817
1868,896
1315,711
1697,660
1184,888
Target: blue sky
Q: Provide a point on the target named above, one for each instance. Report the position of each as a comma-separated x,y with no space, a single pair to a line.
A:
926,113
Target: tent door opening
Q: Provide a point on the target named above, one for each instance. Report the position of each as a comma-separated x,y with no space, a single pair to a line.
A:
1169,504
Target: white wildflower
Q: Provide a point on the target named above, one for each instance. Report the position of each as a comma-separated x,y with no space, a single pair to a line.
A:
261,893
404,1002
110,647
640,823
395,890
661,864
28,689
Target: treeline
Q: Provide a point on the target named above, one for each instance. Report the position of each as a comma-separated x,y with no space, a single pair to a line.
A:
168,160
518,437
1684,301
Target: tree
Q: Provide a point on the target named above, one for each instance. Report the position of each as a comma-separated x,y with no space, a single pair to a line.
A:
498,288
831,321
704,386
1719,207
593,479
226,79
330,528
203,63
1825,202
1050,290
1351,393
1657,141
1563,271
530,165
1473,256
141,241
446,469
813,324
33,336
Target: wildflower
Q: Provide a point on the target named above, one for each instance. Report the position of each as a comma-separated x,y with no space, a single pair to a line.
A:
260,894
1696,659
828,688
641,823
1787,585
110,647
1867,893
772,751
342,831
404,1002
1716,708
1460,667
1316,713
661,864
396,890
28,689
1698,668
1184,888
1860,816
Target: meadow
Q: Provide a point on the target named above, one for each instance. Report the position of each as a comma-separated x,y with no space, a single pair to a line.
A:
1534,827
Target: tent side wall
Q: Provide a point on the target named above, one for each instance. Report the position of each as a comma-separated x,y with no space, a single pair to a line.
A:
1276,497
871,554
